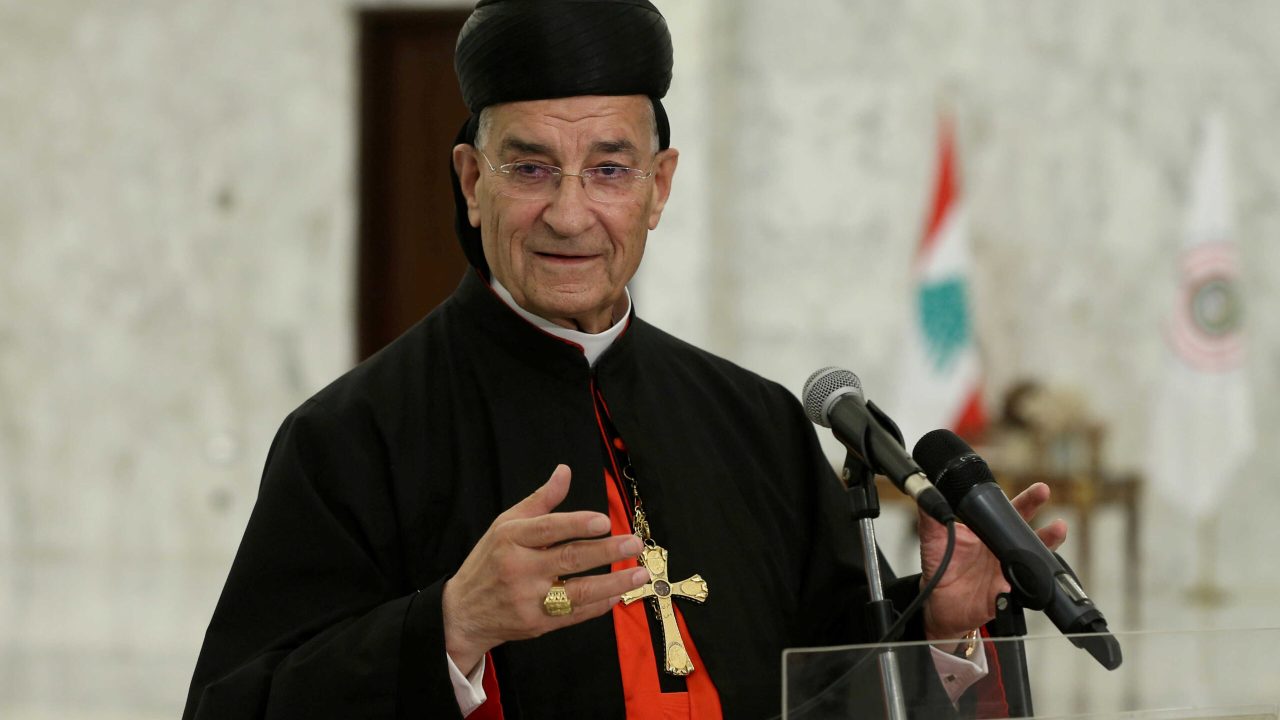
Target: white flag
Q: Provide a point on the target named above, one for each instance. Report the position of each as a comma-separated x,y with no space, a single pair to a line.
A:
941,380
1202,425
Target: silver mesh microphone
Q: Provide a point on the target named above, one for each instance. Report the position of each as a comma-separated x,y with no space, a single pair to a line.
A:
833,399
824,387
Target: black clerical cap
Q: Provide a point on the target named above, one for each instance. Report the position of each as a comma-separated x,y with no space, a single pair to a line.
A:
511,50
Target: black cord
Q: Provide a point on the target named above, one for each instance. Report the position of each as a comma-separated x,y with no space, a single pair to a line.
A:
894,630
916,604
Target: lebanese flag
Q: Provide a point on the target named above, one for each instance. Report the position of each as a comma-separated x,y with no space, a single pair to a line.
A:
940,385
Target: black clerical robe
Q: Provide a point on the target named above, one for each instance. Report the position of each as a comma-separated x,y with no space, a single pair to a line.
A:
377,487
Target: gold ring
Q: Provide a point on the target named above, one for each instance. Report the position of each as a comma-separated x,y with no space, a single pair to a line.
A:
556,603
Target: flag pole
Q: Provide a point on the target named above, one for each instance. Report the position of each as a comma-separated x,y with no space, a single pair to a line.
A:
1205,592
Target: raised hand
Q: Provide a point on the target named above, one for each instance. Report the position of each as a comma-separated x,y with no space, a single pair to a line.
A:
497,594
965,596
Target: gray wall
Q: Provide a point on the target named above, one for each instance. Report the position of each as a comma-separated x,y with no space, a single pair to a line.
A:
1078,126
177,259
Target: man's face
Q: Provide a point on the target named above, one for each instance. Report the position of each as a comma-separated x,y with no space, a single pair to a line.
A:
568,257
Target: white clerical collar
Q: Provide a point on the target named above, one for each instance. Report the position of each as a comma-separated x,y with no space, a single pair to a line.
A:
593,344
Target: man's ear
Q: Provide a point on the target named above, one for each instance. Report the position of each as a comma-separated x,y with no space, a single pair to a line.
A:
468,169
663,172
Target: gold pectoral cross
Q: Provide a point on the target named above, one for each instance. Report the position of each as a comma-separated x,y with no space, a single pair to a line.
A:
654,559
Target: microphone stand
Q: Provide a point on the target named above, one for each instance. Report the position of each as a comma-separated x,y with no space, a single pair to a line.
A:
864,501
1011,624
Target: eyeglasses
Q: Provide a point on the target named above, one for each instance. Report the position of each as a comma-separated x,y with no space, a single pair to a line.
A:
527,180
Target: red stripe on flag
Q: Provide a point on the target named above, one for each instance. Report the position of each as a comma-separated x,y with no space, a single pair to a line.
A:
972,420
947,188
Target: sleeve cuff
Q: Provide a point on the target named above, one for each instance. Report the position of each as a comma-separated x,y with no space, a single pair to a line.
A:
469,690
957,673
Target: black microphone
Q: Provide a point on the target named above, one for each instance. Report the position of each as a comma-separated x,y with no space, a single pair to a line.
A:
1039,578
833,399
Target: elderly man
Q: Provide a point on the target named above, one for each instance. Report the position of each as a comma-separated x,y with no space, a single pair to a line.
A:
534,503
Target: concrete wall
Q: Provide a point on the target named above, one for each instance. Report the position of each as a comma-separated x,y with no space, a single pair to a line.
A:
177,274
1078,125
177,259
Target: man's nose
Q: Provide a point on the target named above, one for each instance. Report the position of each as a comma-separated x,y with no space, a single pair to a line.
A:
569,210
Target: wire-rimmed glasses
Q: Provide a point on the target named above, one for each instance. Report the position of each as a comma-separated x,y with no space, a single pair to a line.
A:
528,180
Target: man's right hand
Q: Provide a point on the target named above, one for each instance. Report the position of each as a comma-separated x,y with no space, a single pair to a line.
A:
497,594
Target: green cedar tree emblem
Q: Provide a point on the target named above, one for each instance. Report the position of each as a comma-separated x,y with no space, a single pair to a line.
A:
944,315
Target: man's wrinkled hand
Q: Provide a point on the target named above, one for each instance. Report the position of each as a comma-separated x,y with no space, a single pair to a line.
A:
965,596
497,594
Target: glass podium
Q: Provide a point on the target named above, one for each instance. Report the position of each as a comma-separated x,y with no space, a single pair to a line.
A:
1164,675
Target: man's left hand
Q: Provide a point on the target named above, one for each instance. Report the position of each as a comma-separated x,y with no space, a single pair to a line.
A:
965,596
